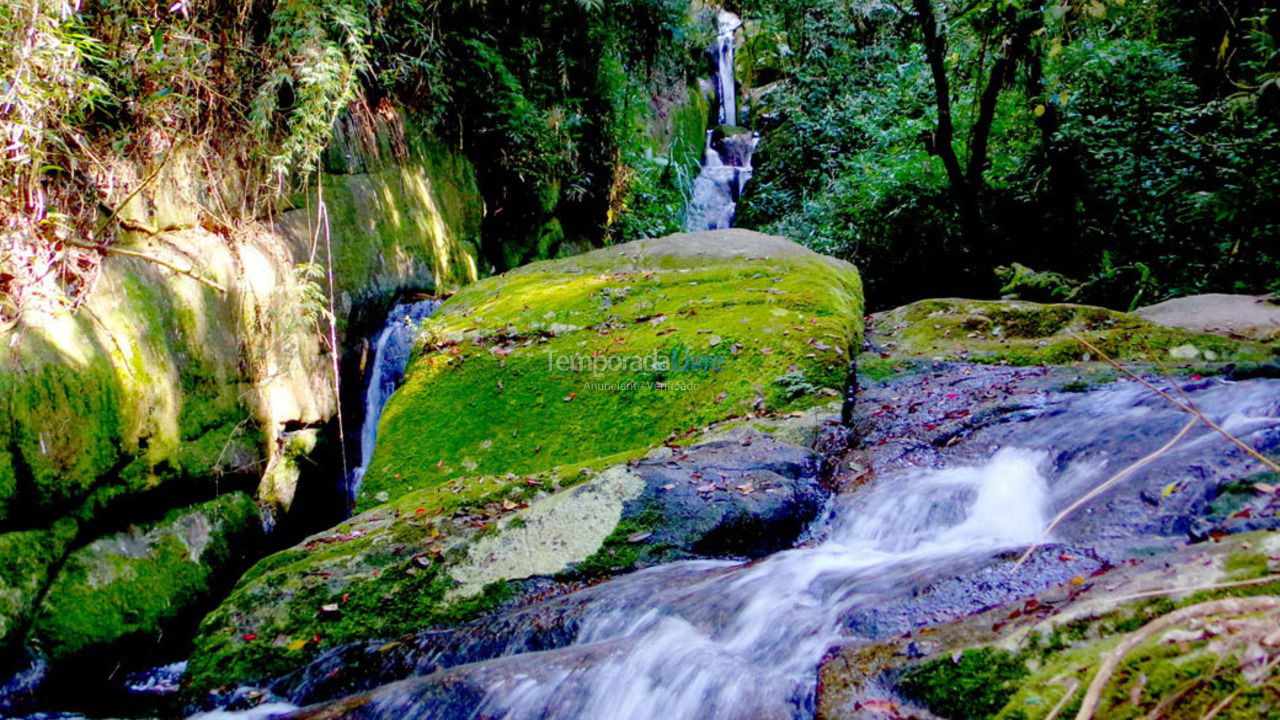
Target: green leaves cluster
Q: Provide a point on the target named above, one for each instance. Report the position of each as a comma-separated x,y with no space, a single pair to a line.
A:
1130,147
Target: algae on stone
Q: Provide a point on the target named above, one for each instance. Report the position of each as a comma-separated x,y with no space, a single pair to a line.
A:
500,386
471,487
161,388
130,584
1025,333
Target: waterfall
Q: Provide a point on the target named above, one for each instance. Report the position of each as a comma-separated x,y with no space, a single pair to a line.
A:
390,358
727,25
726,165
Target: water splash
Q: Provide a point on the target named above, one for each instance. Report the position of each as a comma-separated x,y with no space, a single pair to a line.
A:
744,642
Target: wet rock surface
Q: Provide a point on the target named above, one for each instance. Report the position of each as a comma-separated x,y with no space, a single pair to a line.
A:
1075,426
741,495
744,495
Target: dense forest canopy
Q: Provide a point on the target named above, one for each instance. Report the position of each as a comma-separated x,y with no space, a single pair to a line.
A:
1129,147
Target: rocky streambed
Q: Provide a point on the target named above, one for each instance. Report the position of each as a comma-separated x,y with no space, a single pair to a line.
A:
758,533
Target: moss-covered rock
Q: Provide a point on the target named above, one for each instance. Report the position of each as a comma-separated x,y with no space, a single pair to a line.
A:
578,493
407,566
1035,658
131,584
167,386
1025,333
563,362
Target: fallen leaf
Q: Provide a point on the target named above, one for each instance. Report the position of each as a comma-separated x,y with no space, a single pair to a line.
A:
766,351
639,537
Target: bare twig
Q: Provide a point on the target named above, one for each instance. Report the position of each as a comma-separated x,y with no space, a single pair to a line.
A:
1112,660
1186,408
134,193
111,250
1137,465
1198,588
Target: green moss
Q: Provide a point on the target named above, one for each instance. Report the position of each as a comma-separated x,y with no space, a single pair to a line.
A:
419,218
402,596
29,557
973,687
1023,333
1148,675
1154,671
66,428
132,584
498,355
618,553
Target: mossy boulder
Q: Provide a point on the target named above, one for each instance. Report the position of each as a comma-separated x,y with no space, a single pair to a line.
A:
129,585
561,363
1015,332
1035,658
533,470
168,387
408,566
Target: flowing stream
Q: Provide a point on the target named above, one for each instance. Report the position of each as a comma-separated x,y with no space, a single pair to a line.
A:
724,640
391,353
726,165
921,545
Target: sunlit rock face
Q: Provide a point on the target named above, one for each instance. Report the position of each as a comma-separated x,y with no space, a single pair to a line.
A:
197,368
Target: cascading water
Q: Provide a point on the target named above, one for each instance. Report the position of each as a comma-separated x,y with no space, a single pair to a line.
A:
390,358
726,165
727,25
917,547
735,641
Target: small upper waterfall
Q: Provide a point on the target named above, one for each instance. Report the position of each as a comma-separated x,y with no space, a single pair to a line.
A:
727,25
390,358
726,167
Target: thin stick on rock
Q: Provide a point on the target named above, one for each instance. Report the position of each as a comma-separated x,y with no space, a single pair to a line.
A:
1185,407
1112,660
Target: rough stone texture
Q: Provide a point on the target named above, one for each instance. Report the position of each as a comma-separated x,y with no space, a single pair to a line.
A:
394,570
552,534
162,389
454,515
128,585
1063,631
1160,539
1016,332
1249,317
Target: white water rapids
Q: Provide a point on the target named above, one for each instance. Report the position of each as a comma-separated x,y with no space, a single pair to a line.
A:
744,641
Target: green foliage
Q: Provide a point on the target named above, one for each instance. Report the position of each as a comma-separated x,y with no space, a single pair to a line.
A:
319,48
974,686
1132,148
